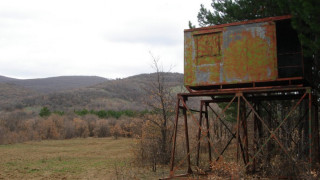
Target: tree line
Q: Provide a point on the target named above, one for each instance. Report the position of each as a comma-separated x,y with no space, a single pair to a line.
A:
45,112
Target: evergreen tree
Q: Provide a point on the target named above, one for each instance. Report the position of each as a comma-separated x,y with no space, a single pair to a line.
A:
45,112
227,11
306,21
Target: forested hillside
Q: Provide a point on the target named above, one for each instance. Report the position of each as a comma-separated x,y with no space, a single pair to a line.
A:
70,93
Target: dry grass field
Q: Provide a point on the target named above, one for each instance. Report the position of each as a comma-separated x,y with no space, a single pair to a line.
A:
90,158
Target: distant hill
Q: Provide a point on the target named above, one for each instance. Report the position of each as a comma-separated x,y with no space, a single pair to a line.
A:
4,79
55,84
126,93
132,88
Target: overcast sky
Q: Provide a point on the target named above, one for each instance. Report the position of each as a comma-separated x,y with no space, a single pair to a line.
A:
108,38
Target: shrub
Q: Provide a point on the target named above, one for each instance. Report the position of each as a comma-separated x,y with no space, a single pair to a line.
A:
81,128
102,128
44,112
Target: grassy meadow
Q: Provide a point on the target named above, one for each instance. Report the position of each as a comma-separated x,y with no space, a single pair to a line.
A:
89,158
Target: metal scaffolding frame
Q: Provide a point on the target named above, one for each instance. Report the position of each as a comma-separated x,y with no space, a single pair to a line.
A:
244,97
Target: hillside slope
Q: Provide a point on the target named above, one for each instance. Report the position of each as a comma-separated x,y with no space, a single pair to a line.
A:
126,93
12,95
55,84
4,79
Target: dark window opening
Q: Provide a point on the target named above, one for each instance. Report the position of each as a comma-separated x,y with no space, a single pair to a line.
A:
289,53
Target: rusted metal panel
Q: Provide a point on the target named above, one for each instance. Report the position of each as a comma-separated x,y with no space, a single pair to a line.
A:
189,59
208,58
249,53
231,54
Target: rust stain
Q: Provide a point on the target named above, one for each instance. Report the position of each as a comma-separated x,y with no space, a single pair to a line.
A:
232,54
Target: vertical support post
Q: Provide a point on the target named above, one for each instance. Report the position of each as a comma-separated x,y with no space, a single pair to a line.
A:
208,132
199,132
238,124
174,137
255,141
245,132
310,128
189,171
315,131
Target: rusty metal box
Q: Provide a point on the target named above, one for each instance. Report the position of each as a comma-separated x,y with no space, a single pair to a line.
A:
242,52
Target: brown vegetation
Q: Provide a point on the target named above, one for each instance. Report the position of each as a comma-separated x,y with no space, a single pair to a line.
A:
20,126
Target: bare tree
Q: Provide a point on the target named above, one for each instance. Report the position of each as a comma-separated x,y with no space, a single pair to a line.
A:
161,100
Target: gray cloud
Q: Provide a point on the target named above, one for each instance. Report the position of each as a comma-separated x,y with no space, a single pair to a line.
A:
40,38
149,33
